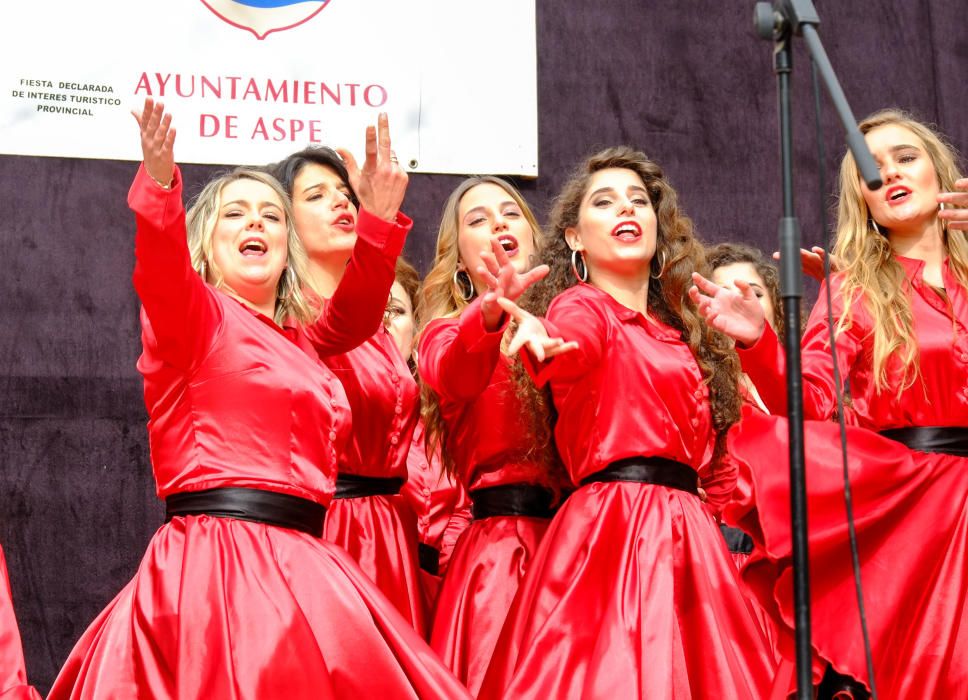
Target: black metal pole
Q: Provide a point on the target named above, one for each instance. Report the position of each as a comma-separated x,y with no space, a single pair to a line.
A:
791,292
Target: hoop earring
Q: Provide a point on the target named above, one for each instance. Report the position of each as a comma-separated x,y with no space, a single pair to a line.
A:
465,288
874,225
661,265
577,255
203,271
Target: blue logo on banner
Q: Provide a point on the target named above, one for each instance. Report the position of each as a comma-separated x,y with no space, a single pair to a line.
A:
262,17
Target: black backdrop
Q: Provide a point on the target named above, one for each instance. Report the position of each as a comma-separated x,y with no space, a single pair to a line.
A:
685,80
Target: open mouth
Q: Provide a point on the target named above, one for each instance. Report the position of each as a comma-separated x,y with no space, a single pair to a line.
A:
509,243
896,195
253,247
627,231
345,222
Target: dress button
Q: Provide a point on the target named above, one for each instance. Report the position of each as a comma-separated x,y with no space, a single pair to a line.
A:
964,357
332,435
394,440
333,402
398,410
695,422
426,491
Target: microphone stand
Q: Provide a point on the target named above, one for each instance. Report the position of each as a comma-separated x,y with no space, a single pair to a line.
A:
780,23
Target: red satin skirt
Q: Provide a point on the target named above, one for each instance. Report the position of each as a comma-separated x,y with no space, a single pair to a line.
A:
632,594
489,561
13,677
228,609
380,533
911,515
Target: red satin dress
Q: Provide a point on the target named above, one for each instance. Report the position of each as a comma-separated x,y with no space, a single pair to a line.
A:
910,508
13,677
489,441
379,531
443,512
632,593
225,608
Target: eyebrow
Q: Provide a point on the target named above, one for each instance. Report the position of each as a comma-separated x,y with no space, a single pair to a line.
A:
903,147
341,185
483,208
243,202
602,190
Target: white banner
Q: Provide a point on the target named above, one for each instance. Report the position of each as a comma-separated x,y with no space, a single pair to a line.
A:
250,81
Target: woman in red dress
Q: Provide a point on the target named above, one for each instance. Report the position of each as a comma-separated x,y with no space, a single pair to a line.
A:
632,593
13,677
900,309
368,517
436,497
238,596
485,414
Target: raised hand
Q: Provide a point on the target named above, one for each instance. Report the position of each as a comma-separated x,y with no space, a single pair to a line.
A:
503,281
738,314
811,262
157,141
382,183
956,209
531,334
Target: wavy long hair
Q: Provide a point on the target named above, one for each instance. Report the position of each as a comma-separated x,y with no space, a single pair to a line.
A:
201,219
681,253
441,297
870,271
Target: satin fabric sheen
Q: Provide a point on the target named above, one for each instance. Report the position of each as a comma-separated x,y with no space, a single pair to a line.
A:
632,593
442,509
13,677
491,559
224,608
490,440
910,508
379,532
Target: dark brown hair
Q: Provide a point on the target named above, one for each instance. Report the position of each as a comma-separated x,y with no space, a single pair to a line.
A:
680,253
724,254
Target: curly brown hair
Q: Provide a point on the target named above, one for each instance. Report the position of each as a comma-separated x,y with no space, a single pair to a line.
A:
682,254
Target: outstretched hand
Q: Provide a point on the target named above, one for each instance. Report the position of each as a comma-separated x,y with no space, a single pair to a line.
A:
531,334
737,314
956,213
381,184
503,281
811,262
157,141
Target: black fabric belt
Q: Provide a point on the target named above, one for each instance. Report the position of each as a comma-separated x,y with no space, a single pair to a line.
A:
429,558
512,499
737,541
356,486
948,441
649,470
256,505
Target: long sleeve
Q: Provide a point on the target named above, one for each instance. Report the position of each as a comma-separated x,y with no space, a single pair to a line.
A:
459,520
180,315
355,311
457,356
765,362
576,320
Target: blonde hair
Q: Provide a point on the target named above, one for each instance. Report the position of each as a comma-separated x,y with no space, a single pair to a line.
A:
201,220
870,271
441,298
